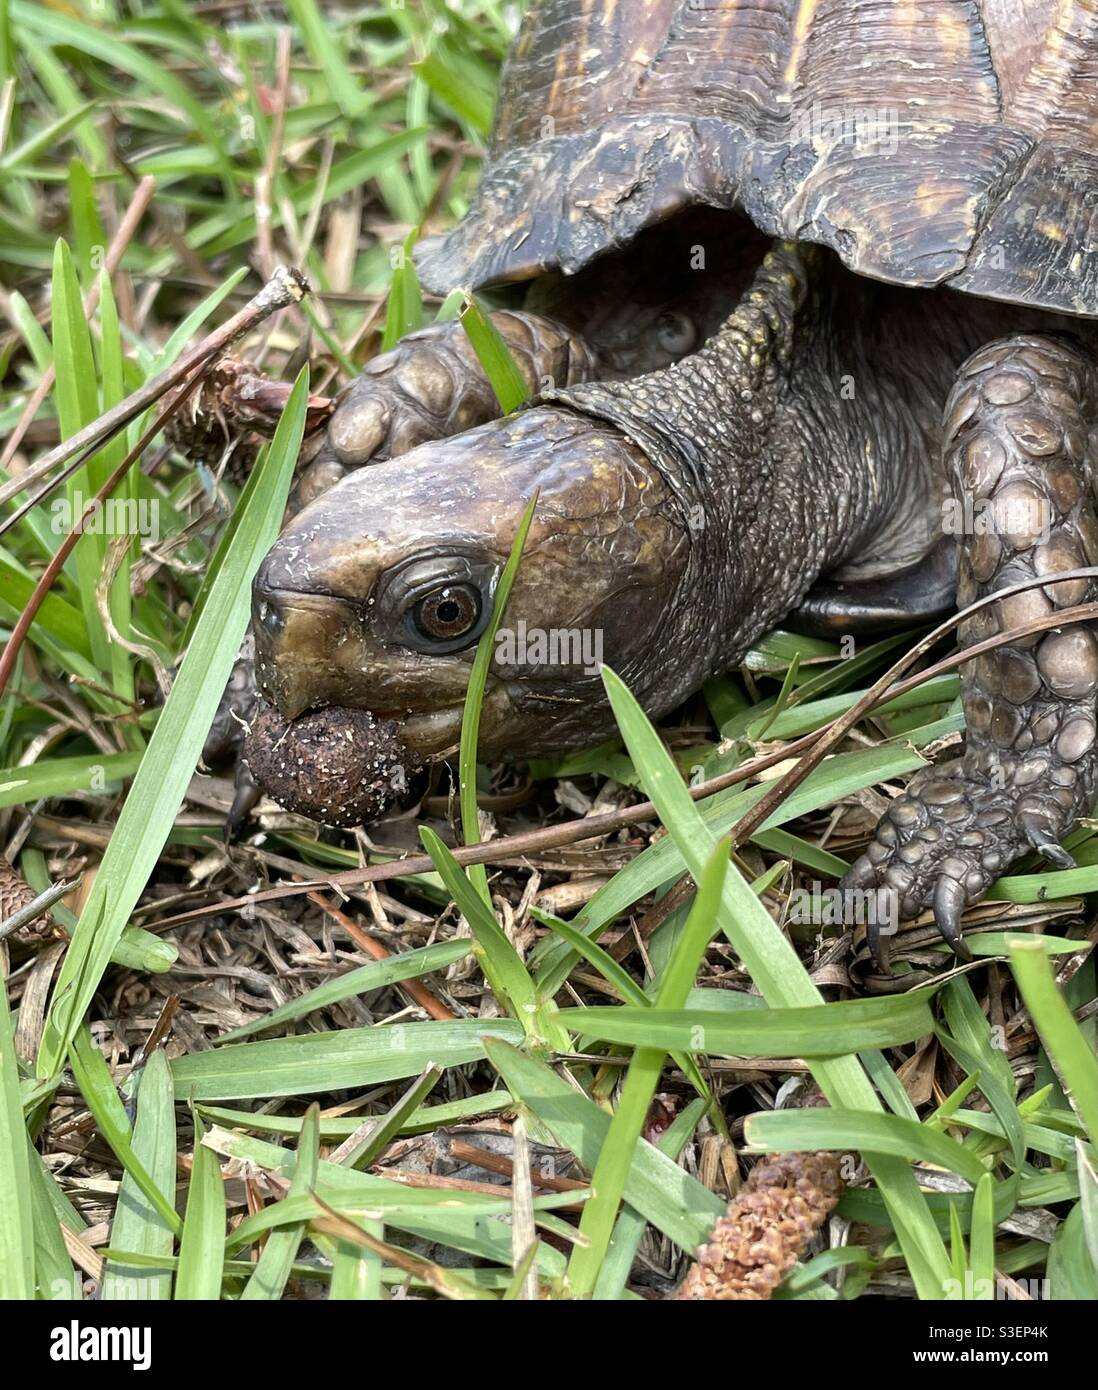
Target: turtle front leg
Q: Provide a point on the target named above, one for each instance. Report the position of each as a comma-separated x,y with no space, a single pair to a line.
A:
432,386
1016,435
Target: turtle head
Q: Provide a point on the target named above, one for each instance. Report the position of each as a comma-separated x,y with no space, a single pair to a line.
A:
376,594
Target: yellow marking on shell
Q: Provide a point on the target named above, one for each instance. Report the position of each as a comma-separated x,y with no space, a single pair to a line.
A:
802,23
934,198
952,34
1054,39
1052,231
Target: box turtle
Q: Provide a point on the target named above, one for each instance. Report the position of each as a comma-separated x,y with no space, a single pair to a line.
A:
807,290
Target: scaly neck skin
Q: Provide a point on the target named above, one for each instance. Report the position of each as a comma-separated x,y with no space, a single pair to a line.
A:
779,476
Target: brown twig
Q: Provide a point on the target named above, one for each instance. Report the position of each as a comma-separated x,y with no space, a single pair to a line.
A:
414,989
285,287
463,1152
36,906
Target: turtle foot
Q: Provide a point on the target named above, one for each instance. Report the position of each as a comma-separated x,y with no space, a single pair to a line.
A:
431,386
944,842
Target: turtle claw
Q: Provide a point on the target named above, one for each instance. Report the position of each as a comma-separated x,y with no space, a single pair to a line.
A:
877,939
246,795
1038,836
949,904
944,842
939,846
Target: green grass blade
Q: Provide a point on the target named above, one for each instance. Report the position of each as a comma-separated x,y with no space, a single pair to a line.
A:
44,139
59,776
404,311
222,231
1072,1274
515,1290
470,103
52,28
113,372
336,1127
53,1270
616,1268
494,356
958,1257
350,94
826,1030
786,1131
1000,1100
781,979
16,1219
1072,1056
202,1244
78,405
353,1057
57,617
410,965
663,860
280,1251
139,1224
474,702
982,1240
673,1201
164,774
462,1220
448,310
590,951
386,1127
616,1156
356,1270
507,977
1088,1198
102,1099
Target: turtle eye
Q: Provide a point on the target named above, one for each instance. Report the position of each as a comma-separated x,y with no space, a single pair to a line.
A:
447,614
675,333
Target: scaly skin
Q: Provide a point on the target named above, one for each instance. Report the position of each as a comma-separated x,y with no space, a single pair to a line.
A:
615,322
1016,437
644,309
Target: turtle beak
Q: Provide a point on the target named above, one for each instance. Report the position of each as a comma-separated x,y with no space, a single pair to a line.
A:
298,637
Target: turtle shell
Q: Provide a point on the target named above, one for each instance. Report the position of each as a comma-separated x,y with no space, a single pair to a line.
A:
928,142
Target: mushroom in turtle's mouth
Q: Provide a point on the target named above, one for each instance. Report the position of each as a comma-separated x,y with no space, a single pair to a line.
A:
339,766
